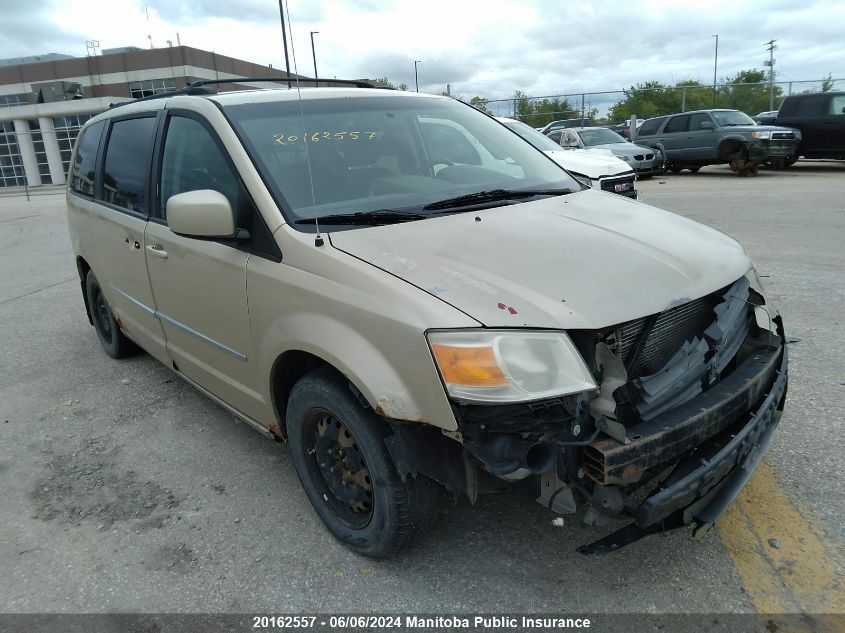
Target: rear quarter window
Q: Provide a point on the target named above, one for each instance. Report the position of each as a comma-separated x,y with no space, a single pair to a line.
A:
803,106
650,127
85,160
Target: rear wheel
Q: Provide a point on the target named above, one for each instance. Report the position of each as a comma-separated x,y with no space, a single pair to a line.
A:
114,342
337,447
695,169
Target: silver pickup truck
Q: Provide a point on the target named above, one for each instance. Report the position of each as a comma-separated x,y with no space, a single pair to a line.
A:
712,137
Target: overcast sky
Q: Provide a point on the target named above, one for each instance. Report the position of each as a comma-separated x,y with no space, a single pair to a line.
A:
488,47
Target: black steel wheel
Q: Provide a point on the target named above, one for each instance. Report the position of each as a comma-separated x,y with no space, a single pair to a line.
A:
338,450
337,465
113,341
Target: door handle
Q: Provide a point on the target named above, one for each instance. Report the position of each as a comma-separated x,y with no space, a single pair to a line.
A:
158,251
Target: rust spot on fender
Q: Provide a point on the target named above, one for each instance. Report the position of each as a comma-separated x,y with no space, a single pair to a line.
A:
276,430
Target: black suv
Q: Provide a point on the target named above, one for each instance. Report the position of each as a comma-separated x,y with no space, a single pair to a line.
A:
711,137
821,119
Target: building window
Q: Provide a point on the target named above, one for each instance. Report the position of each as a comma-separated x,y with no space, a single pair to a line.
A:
40,152
13,100
11,163
151,87
67,129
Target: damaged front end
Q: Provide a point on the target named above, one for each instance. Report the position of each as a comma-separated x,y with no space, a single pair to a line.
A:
685,405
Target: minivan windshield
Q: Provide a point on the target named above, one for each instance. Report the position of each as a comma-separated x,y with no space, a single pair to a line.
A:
728,118
371,158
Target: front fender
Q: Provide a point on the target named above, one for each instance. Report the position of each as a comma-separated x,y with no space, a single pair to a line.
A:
367,323
402,386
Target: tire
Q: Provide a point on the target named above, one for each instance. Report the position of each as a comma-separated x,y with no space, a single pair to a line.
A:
114,342
646,177
778,163
695,169
675,169
326,423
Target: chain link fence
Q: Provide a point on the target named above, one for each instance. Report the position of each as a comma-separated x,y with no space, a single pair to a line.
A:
645,101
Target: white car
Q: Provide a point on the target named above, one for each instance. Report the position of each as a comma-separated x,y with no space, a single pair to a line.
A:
598,169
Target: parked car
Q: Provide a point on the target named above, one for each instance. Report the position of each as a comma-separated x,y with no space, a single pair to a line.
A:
565,123
417,299
766,118
645,161
600,171
712,137
821,120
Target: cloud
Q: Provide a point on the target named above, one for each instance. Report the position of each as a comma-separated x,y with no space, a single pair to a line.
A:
480,47
29,28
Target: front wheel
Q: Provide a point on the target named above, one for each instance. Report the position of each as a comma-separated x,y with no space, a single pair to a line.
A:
338,450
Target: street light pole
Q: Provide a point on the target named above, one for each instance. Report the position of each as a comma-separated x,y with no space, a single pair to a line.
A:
715,66
313,54
416,76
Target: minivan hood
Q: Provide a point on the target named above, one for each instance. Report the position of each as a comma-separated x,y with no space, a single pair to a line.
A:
590,164
586,260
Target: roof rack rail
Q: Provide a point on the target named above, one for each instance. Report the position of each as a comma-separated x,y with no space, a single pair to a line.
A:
203,86
358,83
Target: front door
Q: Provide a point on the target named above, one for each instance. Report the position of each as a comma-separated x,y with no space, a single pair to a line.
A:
200,284
701,139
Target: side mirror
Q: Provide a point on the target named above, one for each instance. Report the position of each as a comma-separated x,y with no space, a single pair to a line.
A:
707,125
202,213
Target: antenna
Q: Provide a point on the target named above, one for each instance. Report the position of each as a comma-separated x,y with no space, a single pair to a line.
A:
318,240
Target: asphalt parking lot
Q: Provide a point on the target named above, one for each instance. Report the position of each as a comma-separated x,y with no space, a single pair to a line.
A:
124,489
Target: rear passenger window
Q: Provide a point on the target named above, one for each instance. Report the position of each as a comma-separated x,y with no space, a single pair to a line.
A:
677,124
837,105
85,161
127,163
649,127
192,161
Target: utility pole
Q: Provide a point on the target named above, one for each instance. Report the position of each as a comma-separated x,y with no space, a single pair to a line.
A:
715,66
285,41
771,64
416,76
314,55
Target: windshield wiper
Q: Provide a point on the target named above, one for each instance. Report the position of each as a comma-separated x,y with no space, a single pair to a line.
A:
380,216
492,195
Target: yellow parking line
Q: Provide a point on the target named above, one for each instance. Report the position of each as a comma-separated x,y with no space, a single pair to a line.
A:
800,576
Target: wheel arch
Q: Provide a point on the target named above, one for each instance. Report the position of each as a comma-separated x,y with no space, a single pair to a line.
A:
82,268
730,147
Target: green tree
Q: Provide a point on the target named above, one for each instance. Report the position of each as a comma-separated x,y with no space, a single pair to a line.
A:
480,103
387,82
539,112
748,91
827,83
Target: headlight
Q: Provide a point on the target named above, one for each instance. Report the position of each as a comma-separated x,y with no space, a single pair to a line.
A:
508,365
761,134
584,180
627,159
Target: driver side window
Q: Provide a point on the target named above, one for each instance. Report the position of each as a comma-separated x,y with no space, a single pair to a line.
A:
191,161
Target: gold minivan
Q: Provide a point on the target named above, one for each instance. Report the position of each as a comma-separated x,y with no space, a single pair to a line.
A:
417,300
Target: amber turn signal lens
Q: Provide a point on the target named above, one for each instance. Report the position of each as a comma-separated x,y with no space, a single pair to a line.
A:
469,366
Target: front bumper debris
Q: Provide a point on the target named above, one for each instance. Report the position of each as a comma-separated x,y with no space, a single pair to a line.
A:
701,487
